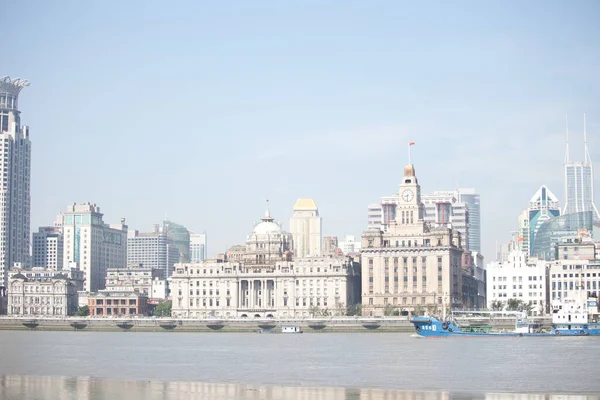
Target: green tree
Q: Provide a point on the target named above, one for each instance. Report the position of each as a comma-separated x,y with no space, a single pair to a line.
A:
497,305
163,309
83,311
388,310
355,309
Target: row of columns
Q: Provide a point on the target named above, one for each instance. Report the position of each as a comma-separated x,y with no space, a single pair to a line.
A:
253,300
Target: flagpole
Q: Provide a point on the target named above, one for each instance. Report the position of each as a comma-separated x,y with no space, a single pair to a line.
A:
409,154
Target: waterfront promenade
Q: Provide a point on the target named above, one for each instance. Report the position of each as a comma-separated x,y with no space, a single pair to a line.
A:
151,324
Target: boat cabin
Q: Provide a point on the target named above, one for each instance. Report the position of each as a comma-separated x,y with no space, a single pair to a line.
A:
291,329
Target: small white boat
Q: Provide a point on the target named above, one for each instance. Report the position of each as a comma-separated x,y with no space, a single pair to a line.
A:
291,329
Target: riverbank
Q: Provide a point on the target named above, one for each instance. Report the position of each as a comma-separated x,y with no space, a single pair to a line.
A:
141,324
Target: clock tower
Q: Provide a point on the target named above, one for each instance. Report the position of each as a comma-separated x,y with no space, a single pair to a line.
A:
409,211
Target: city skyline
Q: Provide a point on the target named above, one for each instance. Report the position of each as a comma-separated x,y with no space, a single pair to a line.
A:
273,113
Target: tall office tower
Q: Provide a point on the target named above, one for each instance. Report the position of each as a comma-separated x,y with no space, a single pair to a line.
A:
473,202
15,161
180,237
330,245
542,206
443,208
154,250
93,245
305,227
47,249
374,216
350,245
579,181
198,247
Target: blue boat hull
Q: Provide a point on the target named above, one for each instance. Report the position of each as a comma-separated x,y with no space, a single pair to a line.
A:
432,327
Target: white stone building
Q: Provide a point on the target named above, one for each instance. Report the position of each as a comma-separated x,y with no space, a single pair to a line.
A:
518,278
15,163
305,227
411,267
73,274
265,281
133,278
45,296
93,245
47,249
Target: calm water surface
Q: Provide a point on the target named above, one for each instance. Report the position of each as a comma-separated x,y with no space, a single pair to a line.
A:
353,362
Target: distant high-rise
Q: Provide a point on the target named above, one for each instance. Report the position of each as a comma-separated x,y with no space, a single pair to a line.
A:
473,202
180,237
93,245
15,162
305,227
153,250
47,248
198,248
579,181
542,206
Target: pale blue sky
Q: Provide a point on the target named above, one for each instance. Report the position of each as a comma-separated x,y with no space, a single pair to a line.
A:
201,110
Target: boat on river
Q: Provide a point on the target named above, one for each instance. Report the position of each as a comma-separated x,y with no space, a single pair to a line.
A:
572,316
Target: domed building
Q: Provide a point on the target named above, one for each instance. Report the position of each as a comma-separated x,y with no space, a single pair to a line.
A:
262,279
268,243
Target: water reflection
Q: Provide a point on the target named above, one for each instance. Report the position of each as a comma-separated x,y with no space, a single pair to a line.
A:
51,387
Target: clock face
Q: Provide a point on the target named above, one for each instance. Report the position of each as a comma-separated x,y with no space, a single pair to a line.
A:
407,195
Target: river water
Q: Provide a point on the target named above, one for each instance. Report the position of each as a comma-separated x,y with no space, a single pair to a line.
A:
319,366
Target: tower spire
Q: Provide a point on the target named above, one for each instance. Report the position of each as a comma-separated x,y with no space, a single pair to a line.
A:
586,157
567,129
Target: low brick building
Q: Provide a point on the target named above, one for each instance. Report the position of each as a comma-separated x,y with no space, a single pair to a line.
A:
114,303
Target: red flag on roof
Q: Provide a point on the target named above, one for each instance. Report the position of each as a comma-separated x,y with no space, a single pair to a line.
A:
411,143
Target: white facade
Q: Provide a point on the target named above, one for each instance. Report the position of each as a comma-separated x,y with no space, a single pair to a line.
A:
47,296
47,248
198,247
132,279
152,250
15,163
93,245
518,279
569,277
374,216
350,245
305,227
287,289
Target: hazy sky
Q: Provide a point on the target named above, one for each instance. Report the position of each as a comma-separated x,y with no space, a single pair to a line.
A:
201,111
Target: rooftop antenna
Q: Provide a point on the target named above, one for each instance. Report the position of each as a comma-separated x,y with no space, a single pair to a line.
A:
567,150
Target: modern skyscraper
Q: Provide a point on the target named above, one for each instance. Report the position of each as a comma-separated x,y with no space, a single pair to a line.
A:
374,216
542,206
305,227
579,181
93,245
47,249
154,250
473,202
180,237
198,247
15,161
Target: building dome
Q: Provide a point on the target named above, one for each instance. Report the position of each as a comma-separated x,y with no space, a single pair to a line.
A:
267,226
